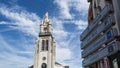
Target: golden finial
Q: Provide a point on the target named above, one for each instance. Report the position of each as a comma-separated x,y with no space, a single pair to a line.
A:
46,17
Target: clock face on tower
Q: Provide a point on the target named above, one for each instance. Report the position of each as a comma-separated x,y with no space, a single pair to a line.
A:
44,58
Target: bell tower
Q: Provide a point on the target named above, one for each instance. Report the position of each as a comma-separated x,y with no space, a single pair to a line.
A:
45,46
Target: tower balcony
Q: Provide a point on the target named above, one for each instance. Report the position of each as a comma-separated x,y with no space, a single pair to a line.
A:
106,10
106,24
45,34
110,49
106,38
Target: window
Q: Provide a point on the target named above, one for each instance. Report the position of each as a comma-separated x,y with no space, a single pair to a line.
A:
44,65
45,29
118,1
43,44
95,9
37,48
98,9
115,63
47,43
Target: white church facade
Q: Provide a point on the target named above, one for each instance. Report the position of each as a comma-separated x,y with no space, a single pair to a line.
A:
45,53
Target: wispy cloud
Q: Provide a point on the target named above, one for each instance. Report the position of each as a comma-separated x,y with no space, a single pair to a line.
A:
10,56
80,5
67,42
5,46
81,24
64,9
66,6
25,21
9,60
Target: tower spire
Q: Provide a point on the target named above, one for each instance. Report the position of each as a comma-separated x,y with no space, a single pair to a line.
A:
46,17
45,27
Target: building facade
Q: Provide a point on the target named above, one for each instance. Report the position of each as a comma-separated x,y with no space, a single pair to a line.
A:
45,47
100,41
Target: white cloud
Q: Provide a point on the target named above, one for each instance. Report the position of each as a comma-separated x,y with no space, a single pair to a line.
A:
63,54
4,45
61,43
66,42
66,6
81,24
80,5
2,22
10,56
58,29
9,60
24,21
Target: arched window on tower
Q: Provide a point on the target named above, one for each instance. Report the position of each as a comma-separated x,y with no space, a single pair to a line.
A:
47,43
44,65
38,48
43,44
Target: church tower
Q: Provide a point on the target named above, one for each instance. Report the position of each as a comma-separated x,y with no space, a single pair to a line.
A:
45,46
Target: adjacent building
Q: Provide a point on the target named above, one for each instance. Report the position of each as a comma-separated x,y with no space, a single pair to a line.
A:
100,41
45,53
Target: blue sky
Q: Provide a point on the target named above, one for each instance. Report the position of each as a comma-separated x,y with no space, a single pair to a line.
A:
19,27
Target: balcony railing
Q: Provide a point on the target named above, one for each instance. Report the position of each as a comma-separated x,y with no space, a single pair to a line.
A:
107,37
107,9
102,27
109,50
45,34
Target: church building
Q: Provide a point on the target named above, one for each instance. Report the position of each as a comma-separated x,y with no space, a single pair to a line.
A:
45,52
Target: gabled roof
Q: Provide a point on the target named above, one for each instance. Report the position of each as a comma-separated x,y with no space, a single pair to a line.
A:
58,63
31,66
